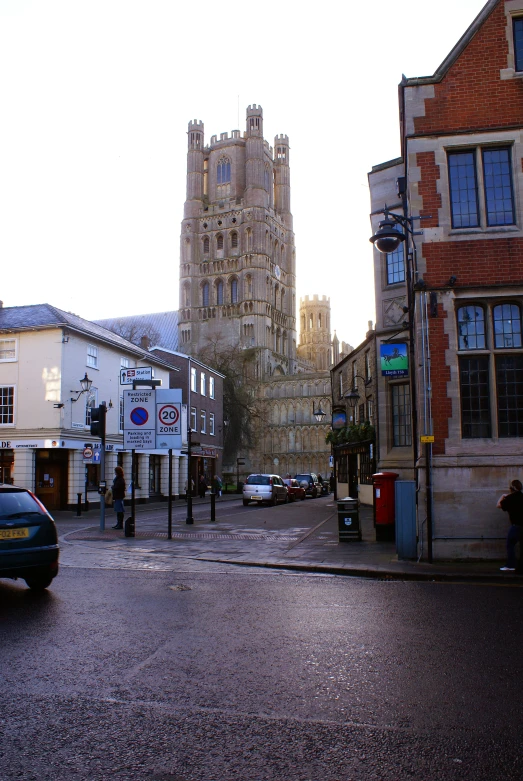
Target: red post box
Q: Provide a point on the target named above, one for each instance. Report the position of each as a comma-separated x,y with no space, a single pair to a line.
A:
384,504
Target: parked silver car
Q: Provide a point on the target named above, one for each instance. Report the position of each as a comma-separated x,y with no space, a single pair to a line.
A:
264,488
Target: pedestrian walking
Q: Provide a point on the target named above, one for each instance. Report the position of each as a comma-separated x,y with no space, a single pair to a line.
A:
217,485
512,503
118,496
202,486
186,487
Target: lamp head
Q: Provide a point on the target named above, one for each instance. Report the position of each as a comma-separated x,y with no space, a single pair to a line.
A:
86,383
352,397
388,236
319,414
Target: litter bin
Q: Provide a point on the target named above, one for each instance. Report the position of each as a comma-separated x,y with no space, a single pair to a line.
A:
348,520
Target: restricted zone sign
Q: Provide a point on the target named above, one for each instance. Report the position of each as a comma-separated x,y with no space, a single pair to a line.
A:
153,419
138,414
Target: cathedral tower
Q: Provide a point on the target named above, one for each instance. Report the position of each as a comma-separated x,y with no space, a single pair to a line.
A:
237,255
315,339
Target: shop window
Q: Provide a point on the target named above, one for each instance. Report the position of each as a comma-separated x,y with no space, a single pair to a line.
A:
401,416
475,397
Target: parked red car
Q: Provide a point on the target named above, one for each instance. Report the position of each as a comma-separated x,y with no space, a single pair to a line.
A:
294,490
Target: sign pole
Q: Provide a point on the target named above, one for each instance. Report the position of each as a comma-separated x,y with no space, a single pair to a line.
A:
133,495
170,504
189,519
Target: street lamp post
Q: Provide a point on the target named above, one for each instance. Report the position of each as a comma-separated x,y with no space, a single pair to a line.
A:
392,231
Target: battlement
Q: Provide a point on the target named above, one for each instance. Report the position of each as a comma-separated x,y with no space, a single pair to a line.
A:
314,300
196,124
254,110
281,139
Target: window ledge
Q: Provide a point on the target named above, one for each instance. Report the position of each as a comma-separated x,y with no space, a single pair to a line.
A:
491,229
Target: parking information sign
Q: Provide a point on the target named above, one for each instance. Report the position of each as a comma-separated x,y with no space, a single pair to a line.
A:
138,414
168,418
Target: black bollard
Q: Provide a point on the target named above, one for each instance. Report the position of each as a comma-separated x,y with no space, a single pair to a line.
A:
78,505
213,506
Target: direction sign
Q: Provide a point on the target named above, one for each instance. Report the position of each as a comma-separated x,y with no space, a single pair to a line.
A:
128,376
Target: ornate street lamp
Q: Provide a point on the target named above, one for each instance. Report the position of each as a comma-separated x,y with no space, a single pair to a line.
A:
85,383
319,414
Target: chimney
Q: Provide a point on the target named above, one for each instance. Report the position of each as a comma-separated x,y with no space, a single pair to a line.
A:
145,342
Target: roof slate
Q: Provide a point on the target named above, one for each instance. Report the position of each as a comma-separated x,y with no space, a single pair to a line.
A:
46,316
165,324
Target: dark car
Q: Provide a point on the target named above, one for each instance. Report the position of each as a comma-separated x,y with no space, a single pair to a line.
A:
28,538
311,484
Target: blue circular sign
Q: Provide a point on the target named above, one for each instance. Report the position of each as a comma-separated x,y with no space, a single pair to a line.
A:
139,416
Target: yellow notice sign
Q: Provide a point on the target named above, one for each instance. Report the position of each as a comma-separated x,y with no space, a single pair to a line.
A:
427,438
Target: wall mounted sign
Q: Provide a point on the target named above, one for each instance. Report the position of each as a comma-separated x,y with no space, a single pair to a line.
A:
394,360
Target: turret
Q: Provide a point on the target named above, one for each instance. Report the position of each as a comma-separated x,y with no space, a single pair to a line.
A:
255,191
195,156
282,179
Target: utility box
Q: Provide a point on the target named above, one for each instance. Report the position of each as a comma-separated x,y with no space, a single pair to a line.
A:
348,520
406,534
384,505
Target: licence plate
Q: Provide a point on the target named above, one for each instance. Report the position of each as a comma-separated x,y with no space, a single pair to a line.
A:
254,498
14,534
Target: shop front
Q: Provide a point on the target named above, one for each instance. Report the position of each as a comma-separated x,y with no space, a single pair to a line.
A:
355,465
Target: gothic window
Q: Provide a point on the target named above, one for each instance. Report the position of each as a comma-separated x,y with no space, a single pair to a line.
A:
471,328
234,291
188,250
234,240
223,171
187,295
507,325
267,181
219,292
248,286
206,245
219,241
205,294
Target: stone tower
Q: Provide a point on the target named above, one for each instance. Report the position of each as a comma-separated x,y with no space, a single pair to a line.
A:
315,338
237,256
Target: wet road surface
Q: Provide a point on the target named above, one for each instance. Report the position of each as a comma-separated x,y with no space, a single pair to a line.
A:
194,671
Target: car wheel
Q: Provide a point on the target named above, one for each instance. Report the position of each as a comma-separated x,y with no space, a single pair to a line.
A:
245,502
274,501
39,582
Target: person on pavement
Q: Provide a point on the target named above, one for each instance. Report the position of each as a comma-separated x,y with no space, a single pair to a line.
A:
202,486
119,496
512,503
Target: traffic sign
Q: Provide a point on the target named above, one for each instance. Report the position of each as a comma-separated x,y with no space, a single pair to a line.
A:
128,376
138,419
88,452
168,418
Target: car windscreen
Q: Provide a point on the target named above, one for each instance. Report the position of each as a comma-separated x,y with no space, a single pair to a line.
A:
17,504
302,478
258,480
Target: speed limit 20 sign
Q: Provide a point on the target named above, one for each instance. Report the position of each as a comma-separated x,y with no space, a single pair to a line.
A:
168,418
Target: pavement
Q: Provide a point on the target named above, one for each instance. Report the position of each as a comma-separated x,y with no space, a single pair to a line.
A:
302,536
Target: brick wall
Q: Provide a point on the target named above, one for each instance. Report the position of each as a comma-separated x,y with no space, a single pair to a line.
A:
440,376
472,95
479,262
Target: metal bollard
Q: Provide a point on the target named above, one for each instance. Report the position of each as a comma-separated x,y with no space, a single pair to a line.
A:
213,506
78,505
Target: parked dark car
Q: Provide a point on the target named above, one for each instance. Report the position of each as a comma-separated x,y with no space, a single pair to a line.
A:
311,484
294,490
28,538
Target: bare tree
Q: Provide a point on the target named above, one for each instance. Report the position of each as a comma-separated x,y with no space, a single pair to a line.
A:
136,331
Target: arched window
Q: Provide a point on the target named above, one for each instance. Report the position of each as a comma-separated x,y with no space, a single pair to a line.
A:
187,295
223,171
187,250
219,241
507,325
223,177
471,328
248,286
219,292
234,240
205,294
267,178
234,291
206,245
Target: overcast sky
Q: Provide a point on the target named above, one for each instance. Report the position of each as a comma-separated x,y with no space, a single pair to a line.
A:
95,97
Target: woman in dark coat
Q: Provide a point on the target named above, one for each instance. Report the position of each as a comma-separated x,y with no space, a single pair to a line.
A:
119,496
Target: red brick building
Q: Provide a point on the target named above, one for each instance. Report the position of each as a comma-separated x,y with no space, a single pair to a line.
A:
462,169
